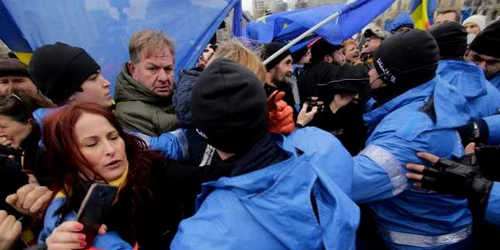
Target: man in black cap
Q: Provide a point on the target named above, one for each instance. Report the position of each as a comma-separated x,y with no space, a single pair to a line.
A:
334,85
14,75
483,98
485,52
66,74
279,72
273,179
418,111
374,36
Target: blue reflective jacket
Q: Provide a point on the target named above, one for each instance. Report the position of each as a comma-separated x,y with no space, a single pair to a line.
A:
483,98
271,208
408,218
492,213
109,241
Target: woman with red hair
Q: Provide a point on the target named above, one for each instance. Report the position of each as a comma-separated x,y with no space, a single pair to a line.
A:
86,144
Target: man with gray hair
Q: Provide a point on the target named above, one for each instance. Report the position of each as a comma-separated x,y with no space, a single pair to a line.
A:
145,86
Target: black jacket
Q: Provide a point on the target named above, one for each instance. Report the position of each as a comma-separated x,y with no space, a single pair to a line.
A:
172,193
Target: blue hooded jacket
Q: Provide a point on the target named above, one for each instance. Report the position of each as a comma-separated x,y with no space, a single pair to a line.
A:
483,98
409,218
496,81
492,213
271,208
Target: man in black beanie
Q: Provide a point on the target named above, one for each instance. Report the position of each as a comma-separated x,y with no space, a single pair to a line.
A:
483,98
65,74
275,179
279,72
485,52
418,111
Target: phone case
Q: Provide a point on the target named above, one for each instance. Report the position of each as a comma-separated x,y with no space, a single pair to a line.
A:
98,200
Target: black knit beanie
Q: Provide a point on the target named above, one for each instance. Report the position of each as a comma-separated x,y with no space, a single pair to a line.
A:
487,41
229,106
298,54
451,38
271,48
59,70
407,59
321,48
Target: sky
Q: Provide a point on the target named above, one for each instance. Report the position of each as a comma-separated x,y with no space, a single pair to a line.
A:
247,5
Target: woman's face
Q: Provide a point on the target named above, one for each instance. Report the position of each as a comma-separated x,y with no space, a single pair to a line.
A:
351,53
101,145
472,28
14,131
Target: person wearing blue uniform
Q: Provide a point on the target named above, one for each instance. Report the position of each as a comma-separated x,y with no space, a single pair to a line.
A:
283,192
484,52
417,111
483,98
479,183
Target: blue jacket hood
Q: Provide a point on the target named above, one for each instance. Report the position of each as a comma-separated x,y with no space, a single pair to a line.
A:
402,19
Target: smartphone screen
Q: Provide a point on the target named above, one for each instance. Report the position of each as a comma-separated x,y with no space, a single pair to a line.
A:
98,200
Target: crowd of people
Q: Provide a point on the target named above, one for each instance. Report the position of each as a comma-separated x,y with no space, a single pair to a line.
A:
389,141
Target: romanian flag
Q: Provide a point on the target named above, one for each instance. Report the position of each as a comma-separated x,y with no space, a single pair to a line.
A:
422,11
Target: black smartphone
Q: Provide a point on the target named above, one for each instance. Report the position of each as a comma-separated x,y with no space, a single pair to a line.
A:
98,200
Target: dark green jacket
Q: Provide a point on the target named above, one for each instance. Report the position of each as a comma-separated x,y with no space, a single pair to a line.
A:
139,109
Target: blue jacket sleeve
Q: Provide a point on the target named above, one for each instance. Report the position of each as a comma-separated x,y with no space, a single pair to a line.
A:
492,213
379,170
493,123
173,144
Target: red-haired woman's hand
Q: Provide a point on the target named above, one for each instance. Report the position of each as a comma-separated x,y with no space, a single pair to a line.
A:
67,236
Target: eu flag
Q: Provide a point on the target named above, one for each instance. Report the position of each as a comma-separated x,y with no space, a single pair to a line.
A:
103,27
285,26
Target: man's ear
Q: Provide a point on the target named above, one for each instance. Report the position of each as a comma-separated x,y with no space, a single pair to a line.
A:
71,98
328,58
131,68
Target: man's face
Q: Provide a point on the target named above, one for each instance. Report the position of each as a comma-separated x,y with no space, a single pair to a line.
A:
371,45
338,57
155,70
472,28
95,89
10,83
489,64
402,29
281,71
445,18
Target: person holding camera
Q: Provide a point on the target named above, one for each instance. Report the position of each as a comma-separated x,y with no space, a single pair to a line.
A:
333,88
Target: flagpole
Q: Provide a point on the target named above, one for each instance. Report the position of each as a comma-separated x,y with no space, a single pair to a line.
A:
312,29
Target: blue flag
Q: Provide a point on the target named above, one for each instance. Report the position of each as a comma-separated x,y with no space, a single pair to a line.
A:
285,26
104,27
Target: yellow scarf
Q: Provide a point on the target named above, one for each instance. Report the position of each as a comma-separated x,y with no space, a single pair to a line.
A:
120,183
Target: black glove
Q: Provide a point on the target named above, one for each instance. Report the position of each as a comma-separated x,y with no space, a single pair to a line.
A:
488,158
460,180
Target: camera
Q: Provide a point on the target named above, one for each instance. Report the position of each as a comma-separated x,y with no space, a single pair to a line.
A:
314,102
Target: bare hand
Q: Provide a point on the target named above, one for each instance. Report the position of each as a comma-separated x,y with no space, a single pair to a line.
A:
418,168
471,147
68,236
31,200
341,100
305,117
5,142
10,230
